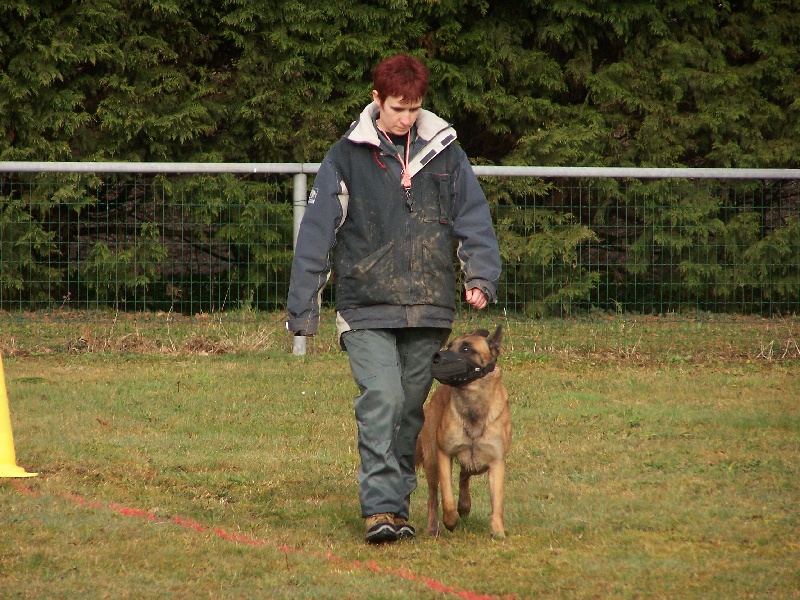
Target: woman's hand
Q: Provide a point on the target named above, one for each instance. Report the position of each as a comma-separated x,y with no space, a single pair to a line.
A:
476,298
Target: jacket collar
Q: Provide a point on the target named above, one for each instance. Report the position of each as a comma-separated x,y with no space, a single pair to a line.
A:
363,130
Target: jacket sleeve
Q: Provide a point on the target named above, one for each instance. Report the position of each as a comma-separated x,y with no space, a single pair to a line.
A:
477,250
315,239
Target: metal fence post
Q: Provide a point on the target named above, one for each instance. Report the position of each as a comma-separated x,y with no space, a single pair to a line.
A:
299,203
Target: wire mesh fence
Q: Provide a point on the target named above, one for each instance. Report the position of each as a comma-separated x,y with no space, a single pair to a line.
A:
652,247
222,242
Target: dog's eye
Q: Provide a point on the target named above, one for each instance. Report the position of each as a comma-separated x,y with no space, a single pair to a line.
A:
466,348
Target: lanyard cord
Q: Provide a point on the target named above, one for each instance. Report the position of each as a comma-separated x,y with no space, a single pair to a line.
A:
405,175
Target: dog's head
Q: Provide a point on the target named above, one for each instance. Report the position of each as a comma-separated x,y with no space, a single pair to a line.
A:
467,357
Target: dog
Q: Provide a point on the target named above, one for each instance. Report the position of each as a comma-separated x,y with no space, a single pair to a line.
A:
468,420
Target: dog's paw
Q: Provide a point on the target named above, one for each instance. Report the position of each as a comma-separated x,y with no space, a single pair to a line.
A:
450,521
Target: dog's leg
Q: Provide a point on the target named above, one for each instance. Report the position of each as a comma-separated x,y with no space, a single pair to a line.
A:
464,499
432,476
449,514
497,476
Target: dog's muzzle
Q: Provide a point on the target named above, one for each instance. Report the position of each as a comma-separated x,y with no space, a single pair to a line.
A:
455,370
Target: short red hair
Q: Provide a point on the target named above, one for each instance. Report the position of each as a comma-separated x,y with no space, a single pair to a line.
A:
402,76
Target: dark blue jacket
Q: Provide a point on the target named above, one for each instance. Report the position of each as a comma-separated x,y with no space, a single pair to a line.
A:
393,251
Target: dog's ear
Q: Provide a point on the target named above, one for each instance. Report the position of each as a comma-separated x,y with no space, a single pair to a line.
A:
496,341
481,332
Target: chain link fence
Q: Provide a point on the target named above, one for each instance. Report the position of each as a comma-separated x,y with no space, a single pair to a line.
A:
218,238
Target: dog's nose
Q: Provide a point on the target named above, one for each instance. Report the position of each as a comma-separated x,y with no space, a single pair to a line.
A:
437,358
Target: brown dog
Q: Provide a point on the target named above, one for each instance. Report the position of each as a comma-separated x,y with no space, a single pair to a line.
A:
470,422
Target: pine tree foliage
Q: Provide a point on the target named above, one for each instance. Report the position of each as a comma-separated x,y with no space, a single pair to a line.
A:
697,83
682,82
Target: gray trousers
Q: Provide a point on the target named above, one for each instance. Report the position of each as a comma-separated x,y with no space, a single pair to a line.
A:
392,370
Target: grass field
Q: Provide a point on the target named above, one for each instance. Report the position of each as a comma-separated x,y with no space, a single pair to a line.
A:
187,458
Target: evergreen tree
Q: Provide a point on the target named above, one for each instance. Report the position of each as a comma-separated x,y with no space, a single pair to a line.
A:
698,83
602,82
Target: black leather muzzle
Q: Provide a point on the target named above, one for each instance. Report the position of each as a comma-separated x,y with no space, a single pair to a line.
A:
454,370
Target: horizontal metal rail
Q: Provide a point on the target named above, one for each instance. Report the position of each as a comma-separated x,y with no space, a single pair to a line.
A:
154,167
311,168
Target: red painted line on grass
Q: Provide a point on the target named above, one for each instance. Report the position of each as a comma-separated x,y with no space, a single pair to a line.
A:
221,533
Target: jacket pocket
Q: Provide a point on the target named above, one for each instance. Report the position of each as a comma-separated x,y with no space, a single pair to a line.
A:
438,270
370,263
439,205
371,280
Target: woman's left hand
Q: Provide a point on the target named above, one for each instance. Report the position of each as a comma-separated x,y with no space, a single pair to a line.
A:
476,298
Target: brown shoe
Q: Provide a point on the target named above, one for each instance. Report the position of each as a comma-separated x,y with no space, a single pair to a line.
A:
380,529
403,529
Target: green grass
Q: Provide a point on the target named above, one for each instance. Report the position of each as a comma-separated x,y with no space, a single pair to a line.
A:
185,458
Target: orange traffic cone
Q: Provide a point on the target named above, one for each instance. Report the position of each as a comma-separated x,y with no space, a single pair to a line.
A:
8,464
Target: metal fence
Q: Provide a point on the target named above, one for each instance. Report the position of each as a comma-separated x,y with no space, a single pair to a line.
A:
194,238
